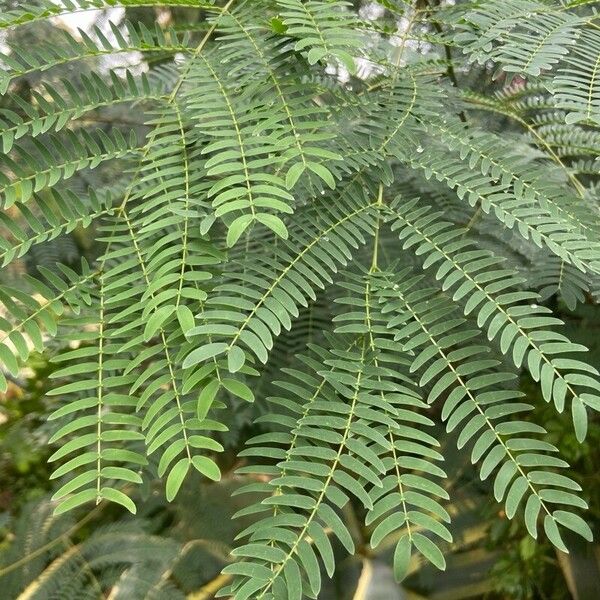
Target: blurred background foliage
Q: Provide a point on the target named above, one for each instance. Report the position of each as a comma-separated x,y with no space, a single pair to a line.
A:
176,551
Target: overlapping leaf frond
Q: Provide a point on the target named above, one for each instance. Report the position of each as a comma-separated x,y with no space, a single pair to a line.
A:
175,254
262,298
303,127
523,36
357,432
517,193
45,9
45,164
96,413
32,311
325,29
406,505
22,61
154,374
60,213
91,93
458,368
243,158
552,276
509,313
575,86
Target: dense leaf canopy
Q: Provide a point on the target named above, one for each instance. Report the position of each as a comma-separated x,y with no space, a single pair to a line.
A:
307,212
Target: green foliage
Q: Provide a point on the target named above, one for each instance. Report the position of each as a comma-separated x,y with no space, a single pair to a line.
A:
297,176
